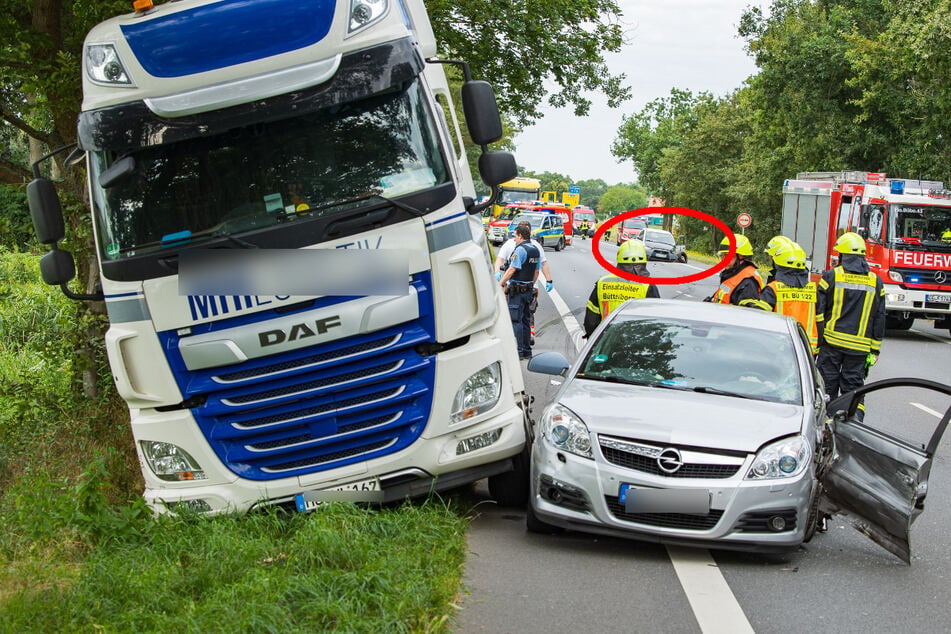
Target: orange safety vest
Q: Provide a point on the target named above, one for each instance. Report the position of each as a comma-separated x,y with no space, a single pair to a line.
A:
722,294
800,304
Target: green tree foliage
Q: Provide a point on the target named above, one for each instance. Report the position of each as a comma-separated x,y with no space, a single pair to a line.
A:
621,198
842,84
591,191
524,46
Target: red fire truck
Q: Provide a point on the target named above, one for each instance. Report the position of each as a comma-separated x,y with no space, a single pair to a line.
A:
906,224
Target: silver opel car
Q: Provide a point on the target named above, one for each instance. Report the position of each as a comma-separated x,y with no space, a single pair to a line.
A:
702,424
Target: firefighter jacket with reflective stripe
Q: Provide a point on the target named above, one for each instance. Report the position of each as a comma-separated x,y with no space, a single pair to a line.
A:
798,302
742,288
610,292
850,309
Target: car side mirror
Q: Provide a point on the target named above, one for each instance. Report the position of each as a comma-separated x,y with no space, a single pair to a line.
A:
553,363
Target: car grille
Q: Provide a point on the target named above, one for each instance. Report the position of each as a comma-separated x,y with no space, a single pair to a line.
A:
757,521
314,408
684,521
646,464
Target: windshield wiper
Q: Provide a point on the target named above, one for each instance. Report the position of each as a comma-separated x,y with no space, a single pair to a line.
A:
714,390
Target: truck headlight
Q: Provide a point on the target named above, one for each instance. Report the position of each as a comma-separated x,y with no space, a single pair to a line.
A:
104,66
171,462
366,12
784,458
479,393
895,276
566,431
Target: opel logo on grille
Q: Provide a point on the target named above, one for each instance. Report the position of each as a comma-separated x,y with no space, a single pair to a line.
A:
669,460
940,277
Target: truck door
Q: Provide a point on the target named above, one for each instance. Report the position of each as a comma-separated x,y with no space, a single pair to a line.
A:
876,480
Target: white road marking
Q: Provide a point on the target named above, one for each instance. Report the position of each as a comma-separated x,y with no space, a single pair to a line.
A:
711,599
927,410
713,603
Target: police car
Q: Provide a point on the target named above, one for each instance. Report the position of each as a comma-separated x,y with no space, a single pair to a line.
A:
548,230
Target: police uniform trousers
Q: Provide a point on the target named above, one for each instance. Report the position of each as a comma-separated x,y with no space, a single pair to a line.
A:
519,298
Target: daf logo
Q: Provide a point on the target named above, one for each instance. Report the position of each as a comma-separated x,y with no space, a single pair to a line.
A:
669,460
298,331
940,277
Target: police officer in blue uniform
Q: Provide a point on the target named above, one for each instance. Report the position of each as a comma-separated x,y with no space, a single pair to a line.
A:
518,281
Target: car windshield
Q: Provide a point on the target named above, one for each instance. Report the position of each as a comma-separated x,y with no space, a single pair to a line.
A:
533,219
661,237
634,223
268,173
700,356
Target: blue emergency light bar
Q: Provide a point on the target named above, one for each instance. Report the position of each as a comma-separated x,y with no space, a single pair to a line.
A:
898,187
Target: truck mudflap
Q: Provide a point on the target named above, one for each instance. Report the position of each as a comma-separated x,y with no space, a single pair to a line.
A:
877,481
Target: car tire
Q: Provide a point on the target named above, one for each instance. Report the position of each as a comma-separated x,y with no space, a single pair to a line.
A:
560,244
510,489
535,525
682,258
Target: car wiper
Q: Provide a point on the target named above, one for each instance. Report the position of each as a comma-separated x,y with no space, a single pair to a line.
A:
367,216
703,389
639,382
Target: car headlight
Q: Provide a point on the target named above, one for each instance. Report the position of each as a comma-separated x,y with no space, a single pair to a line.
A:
479,393
784,458
566,431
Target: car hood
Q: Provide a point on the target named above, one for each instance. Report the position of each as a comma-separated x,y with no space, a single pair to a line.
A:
671,417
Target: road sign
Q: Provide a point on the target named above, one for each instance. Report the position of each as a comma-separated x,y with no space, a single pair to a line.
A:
574,189
744,220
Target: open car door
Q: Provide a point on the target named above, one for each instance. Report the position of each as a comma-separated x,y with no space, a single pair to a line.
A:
876,480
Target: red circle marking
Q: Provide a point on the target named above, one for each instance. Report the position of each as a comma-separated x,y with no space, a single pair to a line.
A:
683,211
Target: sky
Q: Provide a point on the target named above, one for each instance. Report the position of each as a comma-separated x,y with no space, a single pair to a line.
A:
687,44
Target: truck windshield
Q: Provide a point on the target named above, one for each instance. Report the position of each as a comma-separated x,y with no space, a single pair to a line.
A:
268,173
514,196
921,226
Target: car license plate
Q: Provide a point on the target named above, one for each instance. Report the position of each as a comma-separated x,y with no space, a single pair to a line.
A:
938,299
360,491
638,500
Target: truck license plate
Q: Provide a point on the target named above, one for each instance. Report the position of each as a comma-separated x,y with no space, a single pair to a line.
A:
360,491
938,299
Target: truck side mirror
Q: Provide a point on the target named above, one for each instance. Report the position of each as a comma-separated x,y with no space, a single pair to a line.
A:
57,267
482,112
46,211
497,167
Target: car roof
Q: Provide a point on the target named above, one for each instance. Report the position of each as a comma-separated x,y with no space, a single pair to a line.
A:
702,311
667,233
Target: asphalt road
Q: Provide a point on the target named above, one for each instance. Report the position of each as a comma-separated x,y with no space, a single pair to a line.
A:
841,581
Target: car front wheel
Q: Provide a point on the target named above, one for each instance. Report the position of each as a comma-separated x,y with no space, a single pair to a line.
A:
535,525
560,244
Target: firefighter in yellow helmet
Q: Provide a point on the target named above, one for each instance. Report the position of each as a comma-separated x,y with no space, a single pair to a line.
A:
774,244
740,282
789,291
946,236
611,291
850,315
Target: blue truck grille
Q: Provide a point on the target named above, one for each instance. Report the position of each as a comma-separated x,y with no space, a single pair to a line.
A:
315,408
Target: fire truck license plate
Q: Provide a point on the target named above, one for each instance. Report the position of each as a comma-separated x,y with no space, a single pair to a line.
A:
938,299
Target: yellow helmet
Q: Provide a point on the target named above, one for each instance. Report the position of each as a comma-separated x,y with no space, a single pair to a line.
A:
790,255
850,242
946,236
632,252
743,246
775,243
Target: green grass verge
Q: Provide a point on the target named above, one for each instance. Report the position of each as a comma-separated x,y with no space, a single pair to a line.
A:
77,566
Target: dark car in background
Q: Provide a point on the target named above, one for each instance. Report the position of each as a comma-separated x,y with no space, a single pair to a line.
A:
661,246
